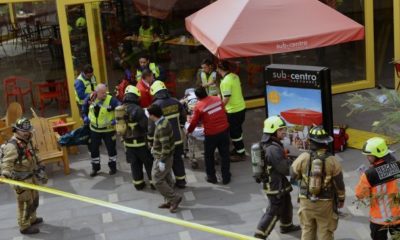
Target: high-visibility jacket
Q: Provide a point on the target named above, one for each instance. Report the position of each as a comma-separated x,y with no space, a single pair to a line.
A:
153,68
89,88
212,90
102,121
146,36
380,183
231,87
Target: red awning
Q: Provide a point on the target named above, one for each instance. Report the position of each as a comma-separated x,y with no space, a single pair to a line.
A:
301,116
243,28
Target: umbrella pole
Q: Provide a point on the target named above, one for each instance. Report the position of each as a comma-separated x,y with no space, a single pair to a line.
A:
271,58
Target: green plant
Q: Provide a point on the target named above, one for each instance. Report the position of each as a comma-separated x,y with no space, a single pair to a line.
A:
388,105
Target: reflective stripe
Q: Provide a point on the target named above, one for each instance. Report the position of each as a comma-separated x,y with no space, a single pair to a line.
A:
178,142
150,138
271,225
212,106
95,160
112,159
241,150
132,125
134,144
137,182
237,139
108,129
164,138
285,225
175,115
275,191
215,110
180,178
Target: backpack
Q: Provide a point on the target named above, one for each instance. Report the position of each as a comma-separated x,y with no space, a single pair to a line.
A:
20,152
316,176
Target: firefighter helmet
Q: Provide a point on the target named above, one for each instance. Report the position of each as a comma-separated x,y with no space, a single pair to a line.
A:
156,87
319,135
132,89
23,124
272,124
375,146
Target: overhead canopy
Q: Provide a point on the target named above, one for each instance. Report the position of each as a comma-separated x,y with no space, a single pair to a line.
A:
243,28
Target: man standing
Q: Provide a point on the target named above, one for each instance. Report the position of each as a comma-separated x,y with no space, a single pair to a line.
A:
174,112
276,185
144,88
210,111
235,106
99,113
19,162
208,78
322,189
144,63
84,85
162,150
137,153
380,185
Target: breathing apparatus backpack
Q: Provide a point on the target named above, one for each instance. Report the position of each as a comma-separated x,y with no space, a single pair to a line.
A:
120,118
258,163
316,172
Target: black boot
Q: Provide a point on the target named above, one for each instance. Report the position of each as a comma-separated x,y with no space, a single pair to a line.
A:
113,167
95,169
291,228
30,230
140,186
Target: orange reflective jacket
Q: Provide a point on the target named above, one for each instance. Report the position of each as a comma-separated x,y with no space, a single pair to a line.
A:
384,199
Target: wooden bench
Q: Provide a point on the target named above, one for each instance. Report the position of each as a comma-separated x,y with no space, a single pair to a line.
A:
69,125
45,141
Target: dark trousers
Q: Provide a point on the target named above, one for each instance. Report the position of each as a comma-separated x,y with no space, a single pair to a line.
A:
178,167
220,141
236,121
137,157
379,232
280,208
109,139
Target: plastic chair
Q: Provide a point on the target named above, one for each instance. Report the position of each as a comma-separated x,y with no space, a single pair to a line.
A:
18,87
50,91
170,83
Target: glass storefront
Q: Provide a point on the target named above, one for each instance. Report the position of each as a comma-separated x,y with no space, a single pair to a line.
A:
113,34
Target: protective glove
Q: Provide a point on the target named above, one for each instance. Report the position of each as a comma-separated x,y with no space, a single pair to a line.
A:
161,166
86,120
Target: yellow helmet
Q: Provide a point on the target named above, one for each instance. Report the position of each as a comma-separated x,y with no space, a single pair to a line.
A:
80,22
319,135
157,86
272,124
375,146
132,89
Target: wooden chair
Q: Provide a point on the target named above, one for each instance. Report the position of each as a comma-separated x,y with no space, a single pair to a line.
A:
5,134
45,141
14,111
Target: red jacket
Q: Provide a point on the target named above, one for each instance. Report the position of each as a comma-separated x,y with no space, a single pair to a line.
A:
145,96
211,112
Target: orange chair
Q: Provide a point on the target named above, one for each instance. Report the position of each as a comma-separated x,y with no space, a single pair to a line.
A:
51,91
171,83
18,87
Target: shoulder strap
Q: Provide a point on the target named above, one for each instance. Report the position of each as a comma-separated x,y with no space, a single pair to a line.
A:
19,149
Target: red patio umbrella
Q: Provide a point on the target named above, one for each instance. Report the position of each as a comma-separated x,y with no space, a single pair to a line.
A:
243,28
302,116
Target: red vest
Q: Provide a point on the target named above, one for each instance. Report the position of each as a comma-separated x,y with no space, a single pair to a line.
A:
145,96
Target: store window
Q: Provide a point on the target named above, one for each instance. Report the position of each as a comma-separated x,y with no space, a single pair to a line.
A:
33,56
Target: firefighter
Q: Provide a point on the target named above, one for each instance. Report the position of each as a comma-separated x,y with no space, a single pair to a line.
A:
84,85
175,113
380,185
276,185
322,189
235,106
162,149
98,112
19,162
137,153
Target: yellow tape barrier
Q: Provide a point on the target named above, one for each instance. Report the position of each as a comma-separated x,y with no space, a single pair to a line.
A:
129,210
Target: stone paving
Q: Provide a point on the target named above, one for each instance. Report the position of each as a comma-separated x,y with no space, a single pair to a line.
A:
235,207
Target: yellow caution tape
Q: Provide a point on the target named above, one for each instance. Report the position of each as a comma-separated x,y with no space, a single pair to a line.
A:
128,210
